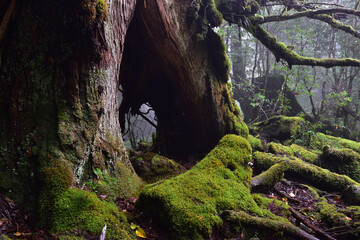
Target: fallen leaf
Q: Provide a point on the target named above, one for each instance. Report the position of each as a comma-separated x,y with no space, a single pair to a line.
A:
140,233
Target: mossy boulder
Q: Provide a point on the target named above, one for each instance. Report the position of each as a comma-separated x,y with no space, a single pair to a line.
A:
79,210
344,161
153,167
189,204
278,127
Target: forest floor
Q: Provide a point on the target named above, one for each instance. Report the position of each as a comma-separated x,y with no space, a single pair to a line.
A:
16,223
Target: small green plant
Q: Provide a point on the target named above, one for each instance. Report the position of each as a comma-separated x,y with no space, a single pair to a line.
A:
103,181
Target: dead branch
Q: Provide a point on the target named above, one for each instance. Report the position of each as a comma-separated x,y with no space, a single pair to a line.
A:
320,233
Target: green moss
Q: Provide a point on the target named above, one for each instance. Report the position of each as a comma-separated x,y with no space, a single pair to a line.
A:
78,210
267,203
277,148
123,183
278,127
255,143
343,161
232,116
267,179
304,154
189,204
4,237
326,212
101,9
294,150
353,212
55,178
214,17
218,56
152,167
234,124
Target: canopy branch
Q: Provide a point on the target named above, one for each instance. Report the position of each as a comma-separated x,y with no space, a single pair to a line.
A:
321,14
281,51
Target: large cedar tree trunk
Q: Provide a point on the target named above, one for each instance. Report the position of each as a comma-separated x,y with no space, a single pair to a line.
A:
61,63
59,79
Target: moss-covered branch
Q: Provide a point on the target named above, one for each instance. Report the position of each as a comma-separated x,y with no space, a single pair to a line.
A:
281,51
235,13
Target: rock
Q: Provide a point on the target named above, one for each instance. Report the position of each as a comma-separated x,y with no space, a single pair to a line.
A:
278,127
152,167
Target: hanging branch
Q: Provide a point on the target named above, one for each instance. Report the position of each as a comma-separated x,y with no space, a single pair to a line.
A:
281,51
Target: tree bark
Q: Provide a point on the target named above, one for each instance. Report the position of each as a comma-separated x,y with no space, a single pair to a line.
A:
59,76
181,77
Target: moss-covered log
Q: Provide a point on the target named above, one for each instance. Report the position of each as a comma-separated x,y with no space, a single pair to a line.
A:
315,175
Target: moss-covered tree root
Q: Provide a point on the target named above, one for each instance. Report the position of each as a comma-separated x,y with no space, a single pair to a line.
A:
189,204
269,178
315,175
279,229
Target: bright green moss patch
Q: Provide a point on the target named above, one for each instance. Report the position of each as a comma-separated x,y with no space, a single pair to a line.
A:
55,179
294,150
76,210
255,143
189,204
267,179
152,167
277,148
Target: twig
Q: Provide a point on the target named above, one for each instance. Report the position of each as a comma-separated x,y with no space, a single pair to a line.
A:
320,233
